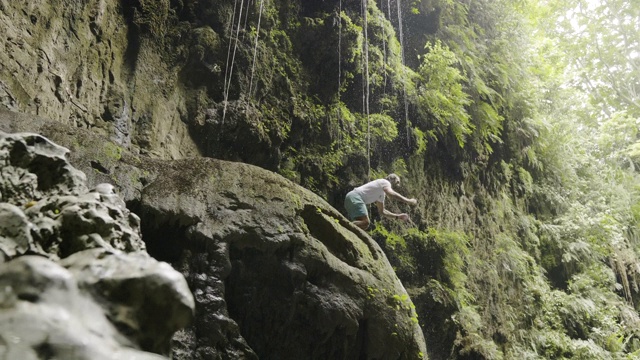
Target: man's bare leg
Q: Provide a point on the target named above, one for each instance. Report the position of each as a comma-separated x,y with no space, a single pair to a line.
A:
362,222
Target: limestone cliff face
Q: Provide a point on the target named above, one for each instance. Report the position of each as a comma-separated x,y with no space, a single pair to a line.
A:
145,74
85,63
177,79
275,271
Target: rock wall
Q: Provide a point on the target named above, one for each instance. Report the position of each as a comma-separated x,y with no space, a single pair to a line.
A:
85,63
275,271
178,79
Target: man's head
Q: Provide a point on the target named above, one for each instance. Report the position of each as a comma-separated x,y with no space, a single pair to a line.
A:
394,180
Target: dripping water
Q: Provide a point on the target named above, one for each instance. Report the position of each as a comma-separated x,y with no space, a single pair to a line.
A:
384,53
226,68
404,71
246,19
255,49
365,88
229,68
339,66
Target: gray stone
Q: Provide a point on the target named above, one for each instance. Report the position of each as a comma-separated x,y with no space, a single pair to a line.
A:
147,299
107,305
67,224
43,315
33,167
15,231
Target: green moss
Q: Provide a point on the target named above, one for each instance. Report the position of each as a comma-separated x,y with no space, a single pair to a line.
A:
113,152
152,15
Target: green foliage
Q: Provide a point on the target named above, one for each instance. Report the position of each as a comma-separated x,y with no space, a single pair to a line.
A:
617,139
420,137
383,127
471,341
419,255
525,238
440,92
404,262
600,40
456,251
489,125
400,168
548,271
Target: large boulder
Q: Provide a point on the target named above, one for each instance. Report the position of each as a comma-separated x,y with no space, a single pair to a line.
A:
76,280
274,262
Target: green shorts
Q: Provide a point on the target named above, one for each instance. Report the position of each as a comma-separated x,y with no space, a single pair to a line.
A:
355,205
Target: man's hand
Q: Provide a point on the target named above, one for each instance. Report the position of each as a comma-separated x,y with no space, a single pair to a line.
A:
403,217
412,201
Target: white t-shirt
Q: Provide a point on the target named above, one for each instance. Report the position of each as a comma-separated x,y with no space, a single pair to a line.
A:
373,191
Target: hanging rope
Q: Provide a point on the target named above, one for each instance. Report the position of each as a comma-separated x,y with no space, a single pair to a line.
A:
226,68
384,54
246,19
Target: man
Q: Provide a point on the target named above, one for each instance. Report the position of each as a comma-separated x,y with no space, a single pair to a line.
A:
357,200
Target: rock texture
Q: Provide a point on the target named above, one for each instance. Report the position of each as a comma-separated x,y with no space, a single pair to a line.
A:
86,63
174,79
75,279
276,272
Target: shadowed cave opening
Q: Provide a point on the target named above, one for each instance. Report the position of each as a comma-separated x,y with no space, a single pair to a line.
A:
164,237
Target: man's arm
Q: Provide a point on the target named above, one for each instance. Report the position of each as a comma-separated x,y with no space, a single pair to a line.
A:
389,191
382,210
